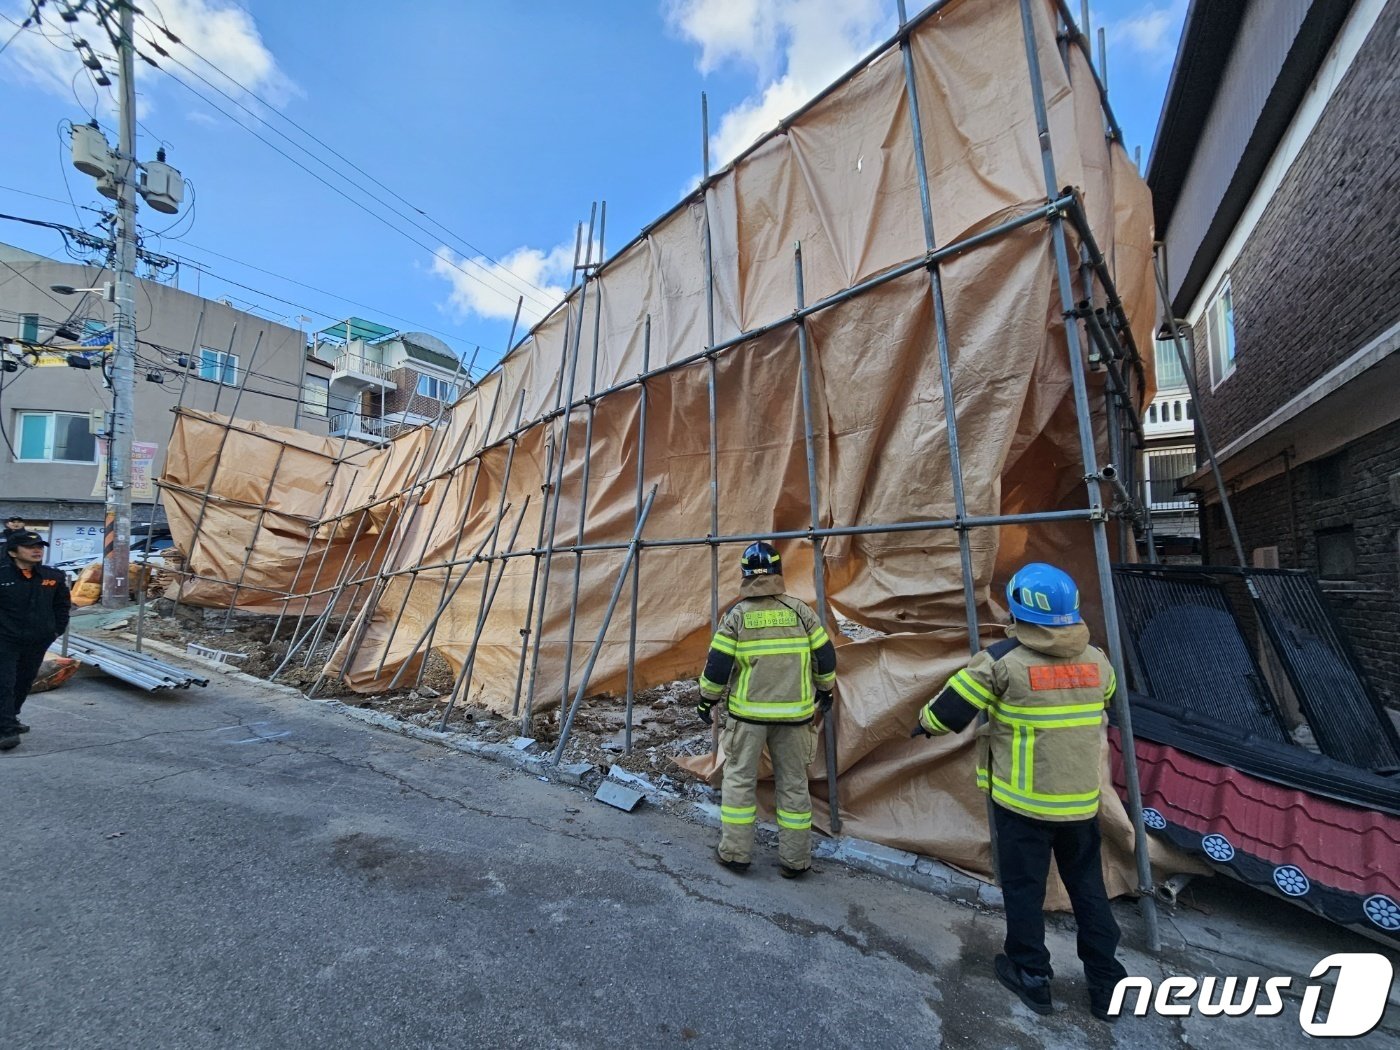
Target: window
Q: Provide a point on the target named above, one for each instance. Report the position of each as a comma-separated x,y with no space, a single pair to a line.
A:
1166,470
1169,374
29,328
1329,476
1336,554
1220,333
218,367
439,389
55,437
316,395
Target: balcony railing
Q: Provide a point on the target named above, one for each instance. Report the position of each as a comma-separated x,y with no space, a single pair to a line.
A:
1169,415
353,423
356,367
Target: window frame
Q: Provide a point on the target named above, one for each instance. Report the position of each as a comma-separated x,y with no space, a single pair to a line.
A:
314,407
49,439
446,389
1219,317
220,361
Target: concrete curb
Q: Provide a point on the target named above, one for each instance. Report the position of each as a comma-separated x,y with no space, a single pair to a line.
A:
910,869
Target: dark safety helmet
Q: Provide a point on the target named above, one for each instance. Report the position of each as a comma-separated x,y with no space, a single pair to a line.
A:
1043,594
761,559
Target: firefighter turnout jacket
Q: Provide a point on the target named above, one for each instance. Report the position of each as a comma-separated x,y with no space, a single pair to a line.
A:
1044,690
771,653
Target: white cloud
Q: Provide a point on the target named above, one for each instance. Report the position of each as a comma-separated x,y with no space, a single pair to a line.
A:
487,289
795,48
1149,34
219,40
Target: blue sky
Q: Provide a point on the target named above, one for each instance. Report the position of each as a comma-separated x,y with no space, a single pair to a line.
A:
492,126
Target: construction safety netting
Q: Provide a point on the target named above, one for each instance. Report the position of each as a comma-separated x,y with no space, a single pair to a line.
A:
686,362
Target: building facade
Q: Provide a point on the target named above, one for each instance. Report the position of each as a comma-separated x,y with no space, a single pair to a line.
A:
195,352
384,381
1276,177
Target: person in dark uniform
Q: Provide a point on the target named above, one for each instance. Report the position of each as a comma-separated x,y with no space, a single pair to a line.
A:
1044,690
34,610
12,525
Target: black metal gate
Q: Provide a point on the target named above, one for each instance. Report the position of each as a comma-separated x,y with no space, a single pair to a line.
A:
1192,634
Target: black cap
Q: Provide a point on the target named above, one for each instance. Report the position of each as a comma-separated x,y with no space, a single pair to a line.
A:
25,539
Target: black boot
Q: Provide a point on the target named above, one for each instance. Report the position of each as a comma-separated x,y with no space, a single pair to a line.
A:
1031,989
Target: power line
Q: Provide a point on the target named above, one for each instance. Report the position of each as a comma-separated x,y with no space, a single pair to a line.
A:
503,287
327,146
204,269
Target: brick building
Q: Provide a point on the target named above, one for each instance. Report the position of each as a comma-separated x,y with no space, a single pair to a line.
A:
1276,177
383,380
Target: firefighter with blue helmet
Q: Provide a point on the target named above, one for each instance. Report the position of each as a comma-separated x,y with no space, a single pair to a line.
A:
774,666
1044,691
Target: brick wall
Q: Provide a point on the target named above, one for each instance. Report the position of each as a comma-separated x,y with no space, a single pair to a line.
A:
1320,275
405,398
1368,604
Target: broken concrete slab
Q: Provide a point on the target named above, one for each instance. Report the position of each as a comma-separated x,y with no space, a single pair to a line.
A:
618,795
642,783
523,743
574,772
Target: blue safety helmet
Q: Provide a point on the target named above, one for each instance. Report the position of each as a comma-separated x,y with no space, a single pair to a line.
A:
1043,594
761,559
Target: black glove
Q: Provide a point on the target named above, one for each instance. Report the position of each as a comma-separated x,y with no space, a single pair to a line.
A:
824,699
703,710
919,730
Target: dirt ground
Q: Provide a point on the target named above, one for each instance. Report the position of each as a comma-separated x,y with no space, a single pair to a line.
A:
664,722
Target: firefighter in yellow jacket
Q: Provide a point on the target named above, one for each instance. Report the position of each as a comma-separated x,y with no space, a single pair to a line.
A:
773,658
1044,690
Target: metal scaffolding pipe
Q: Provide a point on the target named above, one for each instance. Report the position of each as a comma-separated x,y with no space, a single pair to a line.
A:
642,398
568,725
804,370
1090,458
463,681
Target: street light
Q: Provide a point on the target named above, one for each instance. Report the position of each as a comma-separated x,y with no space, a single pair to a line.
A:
68,289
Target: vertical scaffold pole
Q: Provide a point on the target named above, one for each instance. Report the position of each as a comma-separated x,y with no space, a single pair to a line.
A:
454,461
567,727
945,374
252,540
427,640
712,366
546,493
561,462
1147,901
343,576
587,453
637,561
1188,372
463,685
805,369
218,459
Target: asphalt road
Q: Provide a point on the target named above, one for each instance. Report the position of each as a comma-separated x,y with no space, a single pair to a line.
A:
237,867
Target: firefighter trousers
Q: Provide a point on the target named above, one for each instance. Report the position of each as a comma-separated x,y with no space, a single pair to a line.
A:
1024,847
791,749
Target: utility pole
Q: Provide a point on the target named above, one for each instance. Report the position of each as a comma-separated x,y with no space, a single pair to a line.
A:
116,536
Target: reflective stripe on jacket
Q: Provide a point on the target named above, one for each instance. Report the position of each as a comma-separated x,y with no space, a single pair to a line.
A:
1044,692
771,653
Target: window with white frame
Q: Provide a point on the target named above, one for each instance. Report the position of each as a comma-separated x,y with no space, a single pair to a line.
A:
1169,373
218,366
438,389
55,437
316,395
1220,333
